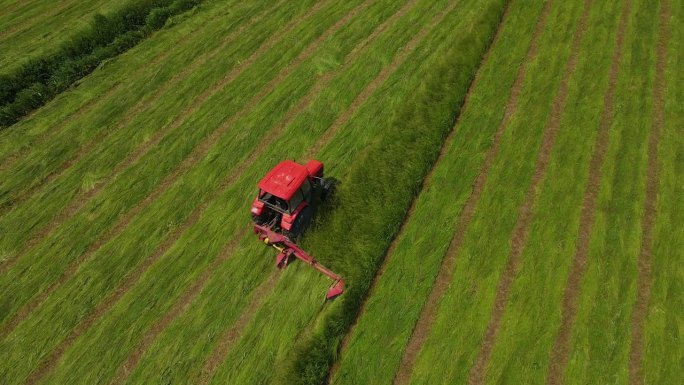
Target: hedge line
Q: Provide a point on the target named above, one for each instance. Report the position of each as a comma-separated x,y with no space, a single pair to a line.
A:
414,143
42,78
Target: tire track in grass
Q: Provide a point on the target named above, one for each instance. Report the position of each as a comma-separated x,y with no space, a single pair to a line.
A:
84,197
522,227
636,352
142,104
179,307
233,333
53,358
187,163
561,349
26,310
427,316
427,181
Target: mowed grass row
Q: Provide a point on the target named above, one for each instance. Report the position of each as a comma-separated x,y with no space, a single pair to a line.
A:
40,27
527,339
663,349
110,133
373,350
451,354
202,238
184,257
601,336
177,45
42,264
183,196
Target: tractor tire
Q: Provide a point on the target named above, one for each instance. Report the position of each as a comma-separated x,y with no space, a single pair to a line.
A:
327,188
301,223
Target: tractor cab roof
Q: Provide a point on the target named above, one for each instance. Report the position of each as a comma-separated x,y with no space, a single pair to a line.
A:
284,179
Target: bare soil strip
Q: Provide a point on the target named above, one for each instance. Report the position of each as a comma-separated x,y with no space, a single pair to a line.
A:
561,349
134,277
636,371
426,182
427,316
84,197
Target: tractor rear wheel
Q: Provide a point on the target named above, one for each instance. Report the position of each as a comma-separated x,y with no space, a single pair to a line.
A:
301,223
327,188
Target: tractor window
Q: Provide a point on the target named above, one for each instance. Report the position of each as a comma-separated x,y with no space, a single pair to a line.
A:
274,201
306,190
296,199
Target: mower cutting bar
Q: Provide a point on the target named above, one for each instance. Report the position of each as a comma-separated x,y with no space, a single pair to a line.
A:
287,248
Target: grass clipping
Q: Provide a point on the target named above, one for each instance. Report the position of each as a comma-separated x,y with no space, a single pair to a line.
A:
414,141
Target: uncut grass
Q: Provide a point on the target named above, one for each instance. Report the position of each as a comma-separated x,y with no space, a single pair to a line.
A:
451,348
34,167
352,259
24,220
375,346
664,350
142,230
42,33
44,263
599,353
184,257
531,321
183,36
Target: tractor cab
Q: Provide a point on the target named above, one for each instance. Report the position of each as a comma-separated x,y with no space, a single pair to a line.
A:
286,196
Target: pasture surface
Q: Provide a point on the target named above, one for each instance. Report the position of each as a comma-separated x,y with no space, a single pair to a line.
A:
31,28
509,208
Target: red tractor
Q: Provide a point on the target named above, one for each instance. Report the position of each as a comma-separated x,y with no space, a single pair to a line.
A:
284,207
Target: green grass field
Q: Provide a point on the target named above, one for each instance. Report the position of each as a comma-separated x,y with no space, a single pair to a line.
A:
31,28
508,208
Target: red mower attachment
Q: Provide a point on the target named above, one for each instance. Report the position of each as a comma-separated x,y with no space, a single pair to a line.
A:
284,207
288,249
